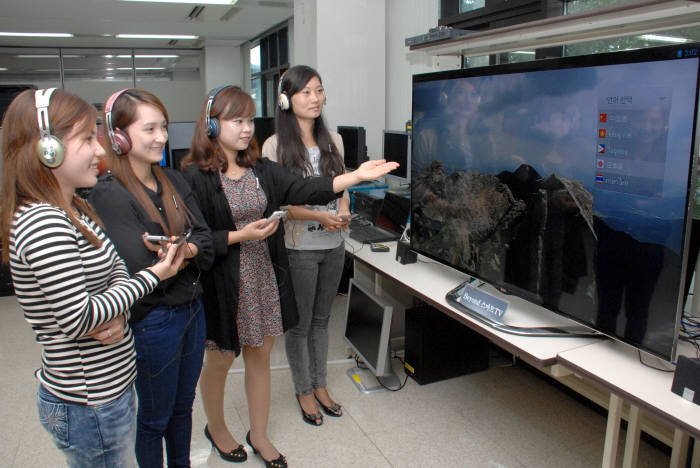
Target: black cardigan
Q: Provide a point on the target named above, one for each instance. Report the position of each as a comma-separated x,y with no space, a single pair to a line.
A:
125,220
221,283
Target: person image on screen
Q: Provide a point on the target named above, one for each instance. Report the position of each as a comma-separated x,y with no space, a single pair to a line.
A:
137,197
248,293
74,288
315,246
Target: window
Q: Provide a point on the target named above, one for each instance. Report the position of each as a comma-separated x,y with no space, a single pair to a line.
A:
269,58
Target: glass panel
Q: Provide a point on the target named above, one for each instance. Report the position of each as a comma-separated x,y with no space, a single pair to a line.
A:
94,74
469,5
174,76
167,65
271,96
255,59
476,61
256,94
518,56
25,66
578,6
639,41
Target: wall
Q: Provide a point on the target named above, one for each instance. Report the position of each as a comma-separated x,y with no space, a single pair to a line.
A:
222,65
348,41
405,18
358,47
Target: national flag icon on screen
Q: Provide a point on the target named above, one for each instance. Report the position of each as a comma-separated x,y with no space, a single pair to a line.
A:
599,179
600,164
601,148
602,132
603,118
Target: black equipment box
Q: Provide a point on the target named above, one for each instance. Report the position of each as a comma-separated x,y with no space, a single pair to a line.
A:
686,379
438,347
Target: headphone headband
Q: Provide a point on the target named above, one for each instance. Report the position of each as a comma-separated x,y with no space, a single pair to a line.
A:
108,119
282,98
42,97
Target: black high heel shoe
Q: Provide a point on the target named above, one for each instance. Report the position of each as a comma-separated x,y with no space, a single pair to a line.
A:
279,462
333,410
236,456
314,419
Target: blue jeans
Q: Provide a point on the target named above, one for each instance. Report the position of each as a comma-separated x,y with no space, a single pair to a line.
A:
315,277
169,345
99,436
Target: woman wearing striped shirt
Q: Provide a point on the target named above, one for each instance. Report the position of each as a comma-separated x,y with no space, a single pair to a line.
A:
73,287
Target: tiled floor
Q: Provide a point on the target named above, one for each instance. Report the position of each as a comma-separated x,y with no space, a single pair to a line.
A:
503,417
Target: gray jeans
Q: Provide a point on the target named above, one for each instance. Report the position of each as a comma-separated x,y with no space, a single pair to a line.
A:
315,277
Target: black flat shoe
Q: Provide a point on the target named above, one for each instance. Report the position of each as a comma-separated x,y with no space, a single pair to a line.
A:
279,462
315,419
333,410
236,456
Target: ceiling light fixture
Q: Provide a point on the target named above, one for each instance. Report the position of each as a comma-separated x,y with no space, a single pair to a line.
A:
35,34
195,2
156,36
660,38
40,56
142,68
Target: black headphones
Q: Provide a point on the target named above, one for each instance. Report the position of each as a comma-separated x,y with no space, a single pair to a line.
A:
50,150
211,124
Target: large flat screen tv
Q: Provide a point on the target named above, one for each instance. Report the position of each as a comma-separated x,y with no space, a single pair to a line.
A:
566,182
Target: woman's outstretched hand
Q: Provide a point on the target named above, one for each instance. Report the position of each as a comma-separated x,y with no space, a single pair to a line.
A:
370,170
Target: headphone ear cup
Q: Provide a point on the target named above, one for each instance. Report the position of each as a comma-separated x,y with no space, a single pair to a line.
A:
284,102
50,152
122,142
214,128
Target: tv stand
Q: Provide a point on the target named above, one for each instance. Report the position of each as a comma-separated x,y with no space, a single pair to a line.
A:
359,376
564,331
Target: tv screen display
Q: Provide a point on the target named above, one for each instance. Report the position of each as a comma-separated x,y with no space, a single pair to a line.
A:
565,182
396,150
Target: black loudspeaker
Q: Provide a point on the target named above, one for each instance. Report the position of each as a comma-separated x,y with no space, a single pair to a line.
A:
438,347
686,379
404,254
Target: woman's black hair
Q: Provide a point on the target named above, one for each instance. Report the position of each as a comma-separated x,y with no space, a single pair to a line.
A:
291,151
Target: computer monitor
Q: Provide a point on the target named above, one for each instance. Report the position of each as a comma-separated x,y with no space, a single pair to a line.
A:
396,149
367,331
177,155
354,145
264,129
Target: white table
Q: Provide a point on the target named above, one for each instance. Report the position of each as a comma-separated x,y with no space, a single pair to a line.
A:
616,366
430,282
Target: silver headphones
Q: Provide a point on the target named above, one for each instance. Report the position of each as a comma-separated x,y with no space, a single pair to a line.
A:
50,150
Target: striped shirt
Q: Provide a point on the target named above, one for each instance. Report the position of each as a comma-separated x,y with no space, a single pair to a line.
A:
67,287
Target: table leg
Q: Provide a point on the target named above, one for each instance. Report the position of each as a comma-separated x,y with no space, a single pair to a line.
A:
634,424
612,432
679,451
696,454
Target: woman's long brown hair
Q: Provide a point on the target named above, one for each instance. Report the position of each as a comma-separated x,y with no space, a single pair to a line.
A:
124,113
206,152
24,178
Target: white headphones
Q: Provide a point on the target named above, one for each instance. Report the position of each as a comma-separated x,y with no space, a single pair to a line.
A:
49,148
283,99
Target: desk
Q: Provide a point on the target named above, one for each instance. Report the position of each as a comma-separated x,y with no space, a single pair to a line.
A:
612,364
430,281
617,367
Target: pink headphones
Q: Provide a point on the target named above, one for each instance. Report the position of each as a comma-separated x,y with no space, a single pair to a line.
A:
121,143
